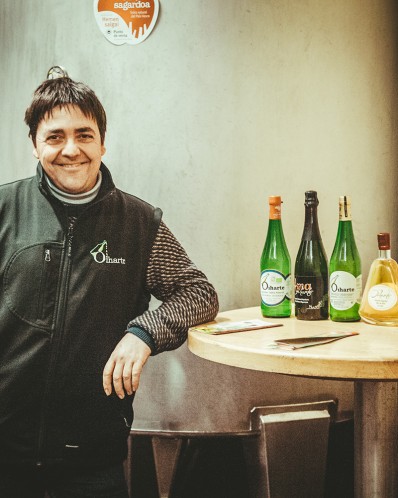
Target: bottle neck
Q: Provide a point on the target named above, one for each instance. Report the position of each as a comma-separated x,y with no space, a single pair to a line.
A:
311,226
275,232
274,229
384,253
345,228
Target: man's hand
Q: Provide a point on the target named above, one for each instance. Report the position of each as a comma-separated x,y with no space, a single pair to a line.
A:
124,367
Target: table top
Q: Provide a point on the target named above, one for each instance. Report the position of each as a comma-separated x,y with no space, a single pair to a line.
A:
371,355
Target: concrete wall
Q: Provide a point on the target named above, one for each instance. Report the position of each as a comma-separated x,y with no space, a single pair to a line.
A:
226,103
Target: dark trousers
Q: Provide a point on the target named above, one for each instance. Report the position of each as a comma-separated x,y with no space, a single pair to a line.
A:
28,482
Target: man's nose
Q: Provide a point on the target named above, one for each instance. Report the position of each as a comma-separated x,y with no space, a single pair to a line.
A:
70,148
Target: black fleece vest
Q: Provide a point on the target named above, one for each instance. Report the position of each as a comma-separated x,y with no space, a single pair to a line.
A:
66,298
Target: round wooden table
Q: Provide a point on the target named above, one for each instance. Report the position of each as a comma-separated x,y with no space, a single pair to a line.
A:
370,359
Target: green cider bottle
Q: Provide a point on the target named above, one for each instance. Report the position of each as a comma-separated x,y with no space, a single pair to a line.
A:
311,295
345,277
275,280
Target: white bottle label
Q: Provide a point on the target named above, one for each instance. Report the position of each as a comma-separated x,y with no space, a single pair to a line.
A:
382,297
345,290
274,287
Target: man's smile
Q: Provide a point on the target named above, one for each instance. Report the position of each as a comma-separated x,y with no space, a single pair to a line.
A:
71,165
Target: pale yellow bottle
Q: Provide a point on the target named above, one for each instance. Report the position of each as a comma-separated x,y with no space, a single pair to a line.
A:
379,304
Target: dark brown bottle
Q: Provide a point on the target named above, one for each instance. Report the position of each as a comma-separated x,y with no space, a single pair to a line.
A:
311,297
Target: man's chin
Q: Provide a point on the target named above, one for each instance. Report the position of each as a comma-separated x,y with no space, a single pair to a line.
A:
73,188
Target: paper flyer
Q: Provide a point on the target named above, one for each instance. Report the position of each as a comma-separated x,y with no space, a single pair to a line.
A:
241,326
314,340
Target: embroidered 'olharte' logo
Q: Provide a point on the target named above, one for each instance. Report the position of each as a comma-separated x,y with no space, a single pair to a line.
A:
100,255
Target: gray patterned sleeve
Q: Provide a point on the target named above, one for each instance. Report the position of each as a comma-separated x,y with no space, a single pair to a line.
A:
187,296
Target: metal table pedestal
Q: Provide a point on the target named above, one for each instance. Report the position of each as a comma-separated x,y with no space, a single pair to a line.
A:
376,438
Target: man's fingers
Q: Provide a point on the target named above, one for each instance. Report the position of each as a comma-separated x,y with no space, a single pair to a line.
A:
124,377
127,380
136,373
107,376
118,379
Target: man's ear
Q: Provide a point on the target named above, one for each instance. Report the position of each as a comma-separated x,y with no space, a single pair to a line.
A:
35,153
103,149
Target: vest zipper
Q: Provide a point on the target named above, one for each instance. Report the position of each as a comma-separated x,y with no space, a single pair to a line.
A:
47,259
56,336
71,224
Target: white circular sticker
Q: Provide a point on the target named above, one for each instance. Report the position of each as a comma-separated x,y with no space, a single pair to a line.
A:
345,290
274,287
126,22
382,297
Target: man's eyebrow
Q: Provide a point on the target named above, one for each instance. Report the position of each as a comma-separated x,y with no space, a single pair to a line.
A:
84,129
55,131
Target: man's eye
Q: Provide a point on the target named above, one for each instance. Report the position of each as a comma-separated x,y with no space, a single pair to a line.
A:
85,137
54,139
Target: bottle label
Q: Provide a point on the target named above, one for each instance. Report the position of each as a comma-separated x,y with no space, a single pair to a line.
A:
311,297
382,297
274,287
345,290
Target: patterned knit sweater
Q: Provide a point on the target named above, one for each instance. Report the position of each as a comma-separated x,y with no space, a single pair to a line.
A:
187,296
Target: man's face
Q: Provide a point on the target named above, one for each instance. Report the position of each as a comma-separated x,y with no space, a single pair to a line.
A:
68,145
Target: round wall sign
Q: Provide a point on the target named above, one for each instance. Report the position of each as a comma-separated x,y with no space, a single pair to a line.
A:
126,22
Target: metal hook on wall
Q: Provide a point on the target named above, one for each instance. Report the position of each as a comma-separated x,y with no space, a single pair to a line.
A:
57,72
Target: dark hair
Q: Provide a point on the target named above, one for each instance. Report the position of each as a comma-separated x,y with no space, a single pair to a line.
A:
63,92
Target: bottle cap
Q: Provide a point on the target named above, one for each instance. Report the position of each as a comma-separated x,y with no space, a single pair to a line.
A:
383,240
275,203
345,207
345,199
274,200
311,198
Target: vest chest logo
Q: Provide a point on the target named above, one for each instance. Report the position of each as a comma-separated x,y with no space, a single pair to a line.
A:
100,255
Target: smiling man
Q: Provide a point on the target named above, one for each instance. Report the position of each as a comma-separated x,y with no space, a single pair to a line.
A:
79,261
69,147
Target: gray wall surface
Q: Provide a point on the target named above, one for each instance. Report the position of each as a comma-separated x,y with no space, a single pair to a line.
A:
226,103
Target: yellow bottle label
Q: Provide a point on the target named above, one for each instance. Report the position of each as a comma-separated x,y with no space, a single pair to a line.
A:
382,297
